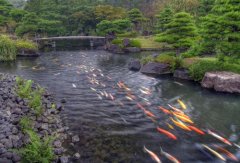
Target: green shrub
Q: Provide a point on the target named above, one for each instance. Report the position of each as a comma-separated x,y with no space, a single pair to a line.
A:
117,41
24,88
7,49
178,63
165,58
128,34
26,44
35,102
135,43
147,59
38,150
25,124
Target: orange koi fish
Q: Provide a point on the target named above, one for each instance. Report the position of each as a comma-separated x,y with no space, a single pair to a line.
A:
166,111
111,96
175,109
181,114
214,152
170,157
150,114
229,154
167,133
181,125
130,95
140,106
184,119
197,130
182,104
219,137
153,155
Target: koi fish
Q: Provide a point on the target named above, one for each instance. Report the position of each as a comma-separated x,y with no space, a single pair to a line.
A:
229,154
100,97
196,130
105,93
111,96
180,124
144,92
214,152
93,89
130,95
219,137
166,111
182,104
150,114
181,114
74,86
140,106
184,119
170,126
170,157
129,98
153,155
175,109
167,133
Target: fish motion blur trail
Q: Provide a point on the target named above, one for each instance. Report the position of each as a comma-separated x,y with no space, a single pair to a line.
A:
219,137
168,156
153,155
167,133
226,152
218,155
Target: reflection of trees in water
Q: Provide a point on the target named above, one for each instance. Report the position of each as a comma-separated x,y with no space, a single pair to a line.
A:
112,60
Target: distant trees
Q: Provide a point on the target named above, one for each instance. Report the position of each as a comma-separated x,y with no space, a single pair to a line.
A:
180,32
136,17
108,12
116,26
163,18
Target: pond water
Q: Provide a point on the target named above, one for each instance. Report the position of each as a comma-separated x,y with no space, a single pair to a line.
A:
111,127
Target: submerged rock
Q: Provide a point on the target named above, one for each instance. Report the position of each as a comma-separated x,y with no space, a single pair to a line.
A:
75,139
222,81
182,74
134,65
132,50
156,68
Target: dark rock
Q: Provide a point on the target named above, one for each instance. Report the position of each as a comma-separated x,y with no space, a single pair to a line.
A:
115,49
16,157
28,53
57,144
7,155
75,139
134,65
222,81
76,156
59,151
182,74
156,68
4,160
63,101
64,159
132,50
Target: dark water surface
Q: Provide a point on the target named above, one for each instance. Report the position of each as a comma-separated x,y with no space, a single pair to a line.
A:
116,130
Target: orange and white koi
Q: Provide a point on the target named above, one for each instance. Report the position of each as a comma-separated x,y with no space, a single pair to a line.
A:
153,155
106,94
140,106
170,157
74,85
144,92
180,124
182,104
166,111
93,89
229,154
214,152
224,140
197,130
167,133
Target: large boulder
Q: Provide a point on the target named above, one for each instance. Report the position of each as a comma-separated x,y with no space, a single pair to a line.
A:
182,74
134,65
156,68
28,53
222,81
132,50
115,49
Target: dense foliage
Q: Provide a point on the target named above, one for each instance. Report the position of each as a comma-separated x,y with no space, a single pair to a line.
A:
7,49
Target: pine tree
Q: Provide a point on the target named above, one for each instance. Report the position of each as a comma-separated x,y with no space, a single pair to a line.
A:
221,28
180,33
163,19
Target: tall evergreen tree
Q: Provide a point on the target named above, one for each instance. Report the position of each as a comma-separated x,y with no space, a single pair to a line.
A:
180,33
163,19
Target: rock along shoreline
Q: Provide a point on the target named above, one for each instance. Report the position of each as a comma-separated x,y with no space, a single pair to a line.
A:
14,108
